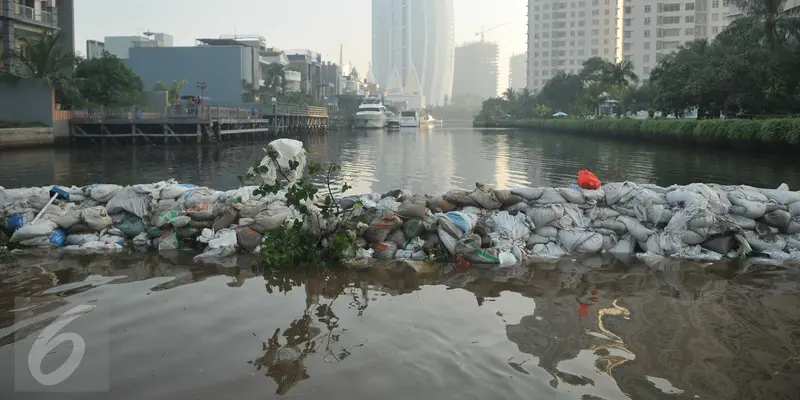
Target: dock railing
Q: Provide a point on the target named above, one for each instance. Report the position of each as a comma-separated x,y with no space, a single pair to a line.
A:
204,113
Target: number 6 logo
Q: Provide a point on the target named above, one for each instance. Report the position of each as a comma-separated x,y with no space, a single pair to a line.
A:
48,340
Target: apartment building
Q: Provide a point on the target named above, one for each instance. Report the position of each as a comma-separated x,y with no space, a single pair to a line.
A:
651,29
518,71
23,20
563,34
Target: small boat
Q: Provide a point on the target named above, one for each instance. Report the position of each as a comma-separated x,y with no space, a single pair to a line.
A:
409,118
371,114
427,120
393,123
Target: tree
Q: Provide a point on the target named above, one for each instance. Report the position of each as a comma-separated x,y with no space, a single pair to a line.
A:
770,19
621,74
275,79
562,93
44,59
173,90
107,81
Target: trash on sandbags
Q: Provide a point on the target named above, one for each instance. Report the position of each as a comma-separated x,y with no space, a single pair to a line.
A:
168,241
129,200
384,251
472,252
41,228
18,220
288,150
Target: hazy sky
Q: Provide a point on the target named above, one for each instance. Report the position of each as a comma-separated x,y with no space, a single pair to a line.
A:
319,25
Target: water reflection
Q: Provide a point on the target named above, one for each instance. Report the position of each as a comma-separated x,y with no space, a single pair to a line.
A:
576,328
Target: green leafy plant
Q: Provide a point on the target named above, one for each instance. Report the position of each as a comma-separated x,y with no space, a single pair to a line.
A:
296,244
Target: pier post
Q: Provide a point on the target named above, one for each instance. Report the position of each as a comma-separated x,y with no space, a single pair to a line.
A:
199,133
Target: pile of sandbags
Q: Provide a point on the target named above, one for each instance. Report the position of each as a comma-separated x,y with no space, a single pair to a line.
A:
481,226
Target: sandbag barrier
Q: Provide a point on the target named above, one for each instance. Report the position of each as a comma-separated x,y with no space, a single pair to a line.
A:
482,226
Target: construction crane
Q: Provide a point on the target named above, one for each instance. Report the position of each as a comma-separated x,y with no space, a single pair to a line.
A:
484,30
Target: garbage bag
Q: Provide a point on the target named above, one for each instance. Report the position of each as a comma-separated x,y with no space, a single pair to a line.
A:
288,150
248,238
39,229
507,198
464,221
578,241
380,228
384,251
473,253
588,180
168,241
103,193
412,207
18,220
128,200
201,212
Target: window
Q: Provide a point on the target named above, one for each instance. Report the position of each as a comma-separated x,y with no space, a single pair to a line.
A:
659,56
607,21
607,12
628,9
546,35
647,9
582,14
715,17
545,54
605,41
572,24
594,52
646,70
646,58
536,17
714,30
670,45
671,32
562,62
595,12
606,31
689,7
647,45
581,33
690,19
581,23
536,54
627,22
580,52
605,51
536,8
647,21
671,20
689,32
715,4
626,46
626,58
595,42
646,33
595,2
595,31
627,34
658,45
670,7
582,4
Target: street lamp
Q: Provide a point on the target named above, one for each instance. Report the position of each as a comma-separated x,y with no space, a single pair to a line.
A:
202,86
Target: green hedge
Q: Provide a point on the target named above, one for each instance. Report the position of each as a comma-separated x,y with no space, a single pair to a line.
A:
775,131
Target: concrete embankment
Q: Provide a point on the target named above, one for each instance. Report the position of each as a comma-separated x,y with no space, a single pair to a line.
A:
26,137
481,226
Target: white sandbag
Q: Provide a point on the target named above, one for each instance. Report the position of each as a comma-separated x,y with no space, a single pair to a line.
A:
609,240
782,195
103,193
635,228
79,239
538,239
793,241
220,256
601,213
578,241
200,195
39,229
362,254
573,218
448,241
201,212
625,245
287,150
507,259
180,221
794,209
574,196
545,215
97,218
141,240
128,200
272,217
175,190
69,219
169,241
529,193
515,227
593,195
765,243
485,197
464,221
618,192
743,222
384,251
546,231
551,196
549,250
223,238
610,224
90,248
413,207
747,203
253,207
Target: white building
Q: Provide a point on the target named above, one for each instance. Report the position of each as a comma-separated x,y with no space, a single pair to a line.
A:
94,49
413,42
120,45
563,34
652,29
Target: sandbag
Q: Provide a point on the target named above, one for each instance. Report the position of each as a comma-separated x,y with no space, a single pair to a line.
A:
537,239
506,198
625,245
186,231
460,199
173,191
546,231
168,241
227,219
794,209
583,242
200,196
384,251
201,212
447,240
529,193
464,221
635,228
201,224
80,239
69,219
380,228
549,250
573,196
272,218
765,242
163,218
778,219
18,220
431,241
39,229
413,228
516,227
545,215
397,238
610,224
438,204
97,218
551,196
253,207
131,226
485,197
413,207
782,195
248,238
223,238
473,253
745,207
103,193
128,200
720,244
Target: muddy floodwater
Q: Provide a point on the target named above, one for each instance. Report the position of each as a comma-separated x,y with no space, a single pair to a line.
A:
160,327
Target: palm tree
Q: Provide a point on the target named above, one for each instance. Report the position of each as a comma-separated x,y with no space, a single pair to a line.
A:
770,19
621,74
525,100
275,79
510,95
173,90
44,59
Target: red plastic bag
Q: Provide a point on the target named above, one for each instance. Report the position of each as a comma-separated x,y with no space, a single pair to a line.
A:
588,180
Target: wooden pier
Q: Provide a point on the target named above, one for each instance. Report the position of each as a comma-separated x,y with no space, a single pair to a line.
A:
194,123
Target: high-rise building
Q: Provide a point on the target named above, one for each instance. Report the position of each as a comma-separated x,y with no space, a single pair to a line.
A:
23,20
563,34
476,71
413,47
652,29
94,49
518,71
120,45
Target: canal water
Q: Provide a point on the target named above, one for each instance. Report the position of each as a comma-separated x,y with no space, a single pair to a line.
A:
160,327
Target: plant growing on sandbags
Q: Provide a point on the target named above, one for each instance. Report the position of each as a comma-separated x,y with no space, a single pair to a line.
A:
318,235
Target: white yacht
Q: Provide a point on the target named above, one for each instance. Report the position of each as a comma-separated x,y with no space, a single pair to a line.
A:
427,120
371,114
409,118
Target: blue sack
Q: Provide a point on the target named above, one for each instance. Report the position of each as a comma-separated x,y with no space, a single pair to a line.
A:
58,237
16,221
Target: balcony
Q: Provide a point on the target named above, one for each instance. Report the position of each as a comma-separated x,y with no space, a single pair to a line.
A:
29,14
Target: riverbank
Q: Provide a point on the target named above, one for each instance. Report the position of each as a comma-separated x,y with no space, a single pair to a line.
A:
724,132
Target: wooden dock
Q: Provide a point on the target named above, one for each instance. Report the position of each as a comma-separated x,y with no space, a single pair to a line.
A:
193,123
